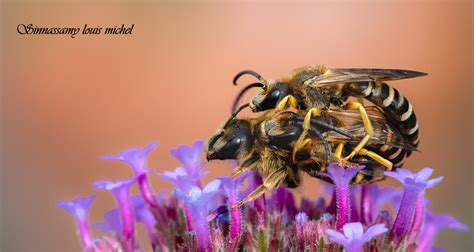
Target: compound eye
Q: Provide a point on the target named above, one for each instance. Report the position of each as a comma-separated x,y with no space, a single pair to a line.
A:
229,151
213,140
271,100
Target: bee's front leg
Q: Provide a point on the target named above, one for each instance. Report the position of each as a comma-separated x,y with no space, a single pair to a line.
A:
272,181
247,164
287,100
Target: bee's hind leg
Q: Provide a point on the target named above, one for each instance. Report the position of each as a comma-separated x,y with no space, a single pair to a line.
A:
381,160
306,126
367,127
272,181
338,151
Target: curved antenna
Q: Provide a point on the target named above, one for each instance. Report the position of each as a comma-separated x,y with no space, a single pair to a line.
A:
234,114
251,72
324,143
243,91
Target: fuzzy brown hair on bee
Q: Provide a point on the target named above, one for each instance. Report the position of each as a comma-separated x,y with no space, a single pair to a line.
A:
318,88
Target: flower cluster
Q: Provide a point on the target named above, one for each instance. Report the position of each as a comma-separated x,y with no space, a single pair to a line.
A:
198,217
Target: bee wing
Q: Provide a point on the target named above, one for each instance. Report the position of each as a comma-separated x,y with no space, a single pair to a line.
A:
352,123
344,75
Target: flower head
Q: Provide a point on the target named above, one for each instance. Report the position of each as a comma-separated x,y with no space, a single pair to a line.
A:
135,157
301,217
353,237
114,187
419,179
188,155
79,209
341,178
434,223
414,185
182,179
340,175
199,203
121,191
201,218
197,196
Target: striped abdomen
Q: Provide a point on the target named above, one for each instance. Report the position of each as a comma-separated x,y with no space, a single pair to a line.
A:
398,110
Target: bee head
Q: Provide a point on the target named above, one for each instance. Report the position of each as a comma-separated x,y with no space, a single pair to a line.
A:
269,97
231,142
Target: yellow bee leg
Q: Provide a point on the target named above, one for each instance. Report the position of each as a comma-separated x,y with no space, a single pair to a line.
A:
367,126
287,100
300,145
241,169
272,181
306,125
247,164
338,151
383,161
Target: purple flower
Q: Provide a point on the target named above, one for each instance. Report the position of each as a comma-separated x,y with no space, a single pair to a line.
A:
300,219
106,244
121,191
414,186
111,223
79,209
143,215
325,222
419,179
189,155
341,178
435,223
183,221
259,204
232,191
354,237
184,182
199,203
372,200
137,159
182,179
283,200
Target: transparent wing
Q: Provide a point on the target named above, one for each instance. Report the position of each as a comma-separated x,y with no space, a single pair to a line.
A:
345,75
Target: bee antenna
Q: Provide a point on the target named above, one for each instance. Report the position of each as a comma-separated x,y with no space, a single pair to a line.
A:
234,114
251,72
243,91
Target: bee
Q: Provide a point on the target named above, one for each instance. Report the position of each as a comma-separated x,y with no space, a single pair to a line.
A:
265,144
319,88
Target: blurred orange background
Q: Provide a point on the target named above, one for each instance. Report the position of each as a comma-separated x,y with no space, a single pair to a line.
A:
66,101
